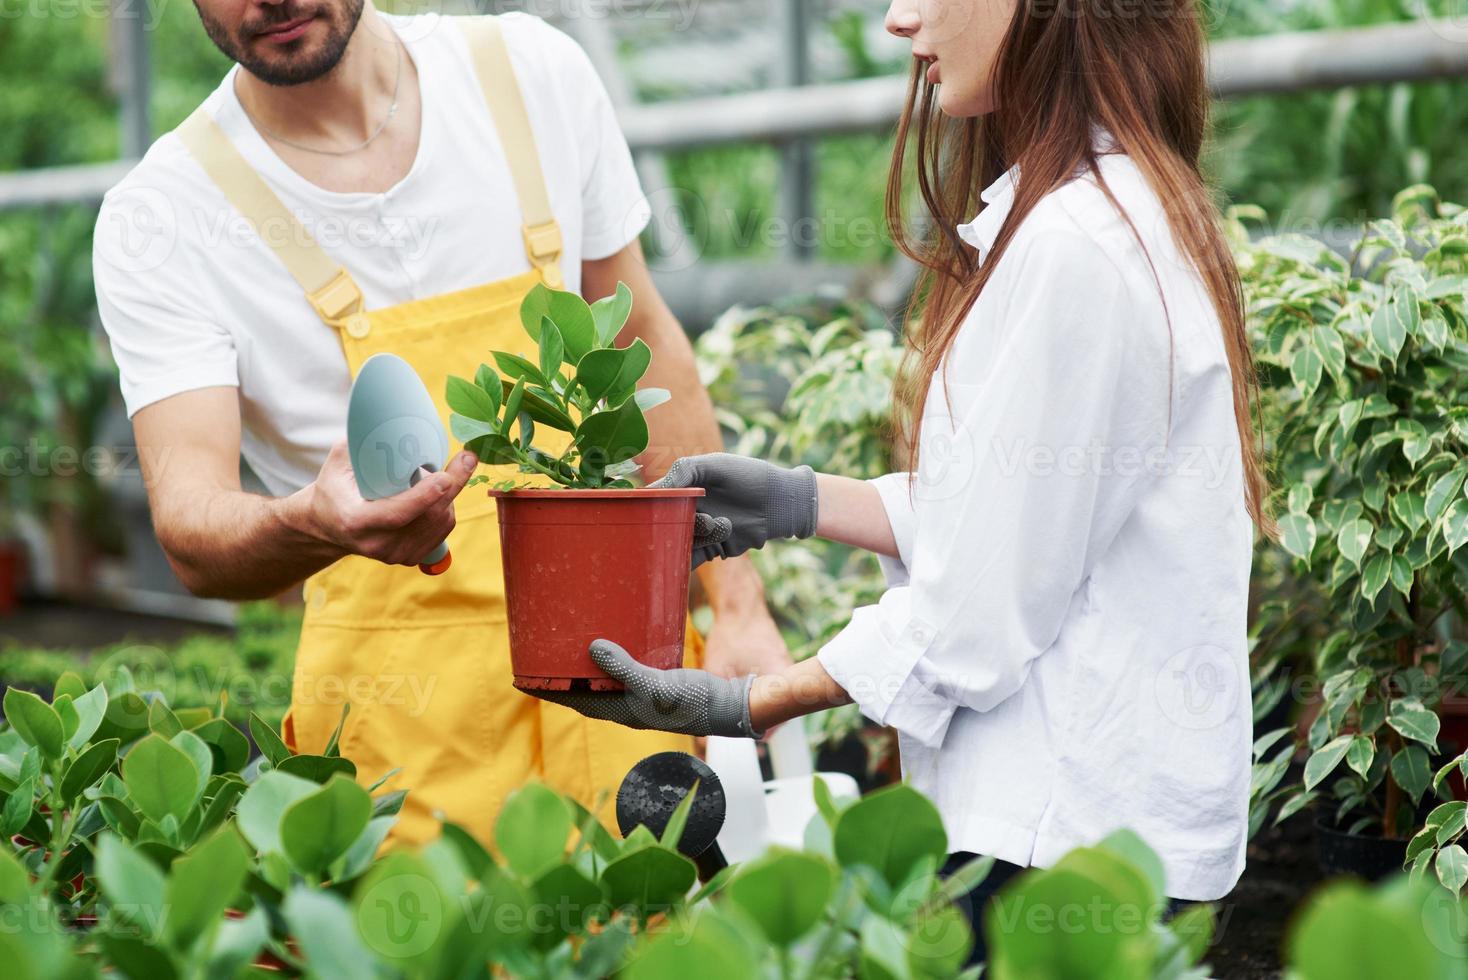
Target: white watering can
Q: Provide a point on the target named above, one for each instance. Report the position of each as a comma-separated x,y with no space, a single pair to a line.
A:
776,811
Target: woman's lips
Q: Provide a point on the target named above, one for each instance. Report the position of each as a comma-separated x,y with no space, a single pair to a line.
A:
289,31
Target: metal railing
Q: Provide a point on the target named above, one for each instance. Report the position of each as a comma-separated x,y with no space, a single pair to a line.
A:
1279,63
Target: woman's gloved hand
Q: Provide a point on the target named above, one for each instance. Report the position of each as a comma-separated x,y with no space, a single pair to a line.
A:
747,502
685,701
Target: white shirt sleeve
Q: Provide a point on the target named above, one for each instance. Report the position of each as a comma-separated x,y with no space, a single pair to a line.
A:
1046,458
163,340
614,208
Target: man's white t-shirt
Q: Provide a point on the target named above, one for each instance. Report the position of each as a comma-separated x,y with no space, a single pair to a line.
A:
191,297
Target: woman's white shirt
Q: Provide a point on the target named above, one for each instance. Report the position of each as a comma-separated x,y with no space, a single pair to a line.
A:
1063,646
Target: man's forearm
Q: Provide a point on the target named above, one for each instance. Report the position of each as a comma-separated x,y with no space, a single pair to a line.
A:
229,544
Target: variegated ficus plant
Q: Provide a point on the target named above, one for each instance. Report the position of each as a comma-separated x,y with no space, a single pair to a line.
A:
1363,361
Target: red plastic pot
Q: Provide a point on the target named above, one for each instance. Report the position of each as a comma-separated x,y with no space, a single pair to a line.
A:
587,564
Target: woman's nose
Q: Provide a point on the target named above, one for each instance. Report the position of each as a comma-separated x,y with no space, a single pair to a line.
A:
903,19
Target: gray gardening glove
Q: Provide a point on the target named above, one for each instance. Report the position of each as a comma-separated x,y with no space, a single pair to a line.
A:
747,502
686,701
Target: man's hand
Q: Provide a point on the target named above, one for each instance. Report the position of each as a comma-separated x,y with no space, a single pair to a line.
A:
684,701
398,530
744,641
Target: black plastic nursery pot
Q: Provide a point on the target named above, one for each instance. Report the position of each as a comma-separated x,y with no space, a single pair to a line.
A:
1368,856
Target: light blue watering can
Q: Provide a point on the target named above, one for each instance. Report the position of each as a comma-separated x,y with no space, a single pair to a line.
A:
395,437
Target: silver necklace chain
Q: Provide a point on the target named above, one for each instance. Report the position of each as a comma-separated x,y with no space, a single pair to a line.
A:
392,110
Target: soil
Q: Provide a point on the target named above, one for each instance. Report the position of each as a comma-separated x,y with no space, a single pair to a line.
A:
1254,920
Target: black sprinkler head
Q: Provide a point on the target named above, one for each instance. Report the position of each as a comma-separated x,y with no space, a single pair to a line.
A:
655,786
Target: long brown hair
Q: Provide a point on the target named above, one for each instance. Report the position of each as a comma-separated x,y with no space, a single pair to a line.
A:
1064,67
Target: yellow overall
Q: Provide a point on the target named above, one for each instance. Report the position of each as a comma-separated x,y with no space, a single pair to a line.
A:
424,661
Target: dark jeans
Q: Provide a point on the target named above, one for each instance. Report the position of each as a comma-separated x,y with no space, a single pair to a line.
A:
979,899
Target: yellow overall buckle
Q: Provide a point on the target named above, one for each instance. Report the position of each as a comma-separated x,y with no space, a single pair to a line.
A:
339,303
543,245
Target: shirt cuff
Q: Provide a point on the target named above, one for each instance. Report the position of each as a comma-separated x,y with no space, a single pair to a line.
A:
896,501
873,660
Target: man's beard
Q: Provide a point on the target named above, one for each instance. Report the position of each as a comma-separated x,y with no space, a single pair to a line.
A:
288,68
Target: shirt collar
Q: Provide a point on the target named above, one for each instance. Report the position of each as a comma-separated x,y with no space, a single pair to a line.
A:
998,197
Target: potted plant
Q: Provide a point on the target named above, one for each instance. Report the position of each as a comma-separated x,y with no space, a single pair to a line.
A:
565,430
1363,362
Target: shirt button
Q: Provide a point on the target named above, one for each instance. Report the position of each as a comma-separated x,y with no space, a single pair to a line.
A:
919,635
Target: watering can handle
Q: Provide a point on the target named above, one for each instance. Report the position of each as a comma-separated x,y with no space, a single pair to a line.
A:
437,561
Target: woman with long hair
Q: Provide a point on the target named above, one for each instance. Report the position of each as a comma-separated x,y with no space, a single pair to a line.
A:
1062,649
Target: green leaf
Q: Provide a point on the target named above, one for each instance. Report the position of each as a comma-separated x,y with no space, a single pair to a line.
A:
317,829
264,803
487,378
1410,769
650,398
467,429
317,768
705,947
609,372
133,885
519,369
610,314
199,754
36,721
322,924
546,412
649,880
1297,534
1359,754
576,899
613,435
1455,525
552,350
89,767
203,883
1374,576
470,400
267,740
784,893
493,449
1331,348
678,820
1452,868
1410,509
161,779
1299,498
890,830
1354,539
1401,575
532,830
512,407
1305,369
18,808
90,709
575,321
1388,332
1413,720
231,749
1324,759
1444,489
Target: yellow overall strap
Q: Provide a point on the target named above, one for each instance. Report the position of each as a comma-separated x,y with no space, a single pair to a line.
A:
507,108
329,287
